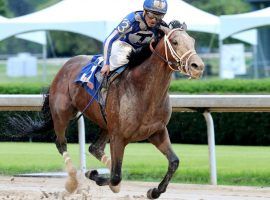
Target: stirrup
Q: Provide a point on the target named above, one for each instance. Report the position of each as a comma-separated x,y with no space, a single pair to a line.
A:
114,74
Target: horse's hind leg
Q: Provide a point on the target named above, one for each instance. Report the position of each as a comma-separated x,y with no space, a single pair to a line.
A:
97,150
61,118
162,141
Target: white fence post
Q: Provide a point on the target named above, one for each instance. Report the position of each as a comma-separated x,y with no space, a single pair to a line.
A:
81,128
211,147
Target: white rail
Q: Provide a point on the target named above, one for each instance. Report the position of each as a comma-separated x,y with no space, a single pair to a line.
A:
180,103
222,103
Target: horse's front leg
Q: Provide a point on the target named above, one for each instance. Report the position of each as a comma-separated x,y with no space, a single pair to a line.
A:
162,141
117,147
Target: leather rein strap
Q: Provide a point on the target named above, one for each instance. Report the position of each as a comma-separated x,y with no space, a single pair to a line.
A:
162,58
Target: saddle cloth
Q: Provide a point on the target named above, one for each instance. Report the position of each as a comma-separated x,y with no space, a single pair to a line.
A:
90,77
94,83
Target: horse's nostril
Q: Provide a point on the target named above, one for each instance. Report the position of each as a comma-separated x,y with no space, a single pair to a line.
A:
194,65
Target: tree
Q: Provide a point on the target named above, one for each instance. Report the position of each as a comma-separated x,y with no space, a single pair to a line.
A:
19,8
221,7
2,8
15,8
68,44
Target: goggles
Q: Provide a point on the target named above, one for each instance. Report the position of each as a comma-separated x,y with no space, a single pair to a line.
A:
152,16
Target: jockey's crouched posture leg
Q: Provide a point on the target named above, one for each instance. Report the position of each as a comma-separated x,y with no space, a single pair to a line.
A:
107,81
118,62
118,59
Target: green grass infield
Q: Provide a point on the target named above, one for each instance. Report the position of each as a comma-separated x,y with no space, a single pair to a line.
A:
236,165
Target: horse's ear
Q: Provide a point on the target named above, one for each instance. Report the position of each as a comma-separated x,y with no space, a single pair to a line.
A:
165,29
176,24
184,26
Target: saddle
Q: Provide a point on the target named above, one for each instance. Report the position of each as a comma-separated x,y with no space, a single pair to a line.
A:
105,83
94,83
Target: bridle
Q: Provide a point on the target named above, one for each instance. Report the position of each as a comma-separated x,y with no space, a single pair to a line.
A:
181,62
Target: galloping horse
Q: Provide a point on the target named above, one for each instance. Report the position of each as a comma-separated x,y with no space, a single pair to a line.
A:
137,108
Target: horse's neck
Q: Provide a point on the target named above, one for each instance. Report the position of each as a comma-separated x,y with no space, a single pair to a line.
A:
151,78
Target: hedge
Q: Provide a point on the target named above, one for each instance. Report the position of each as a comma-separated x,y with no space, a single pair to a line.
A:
22,88
211,86
230,128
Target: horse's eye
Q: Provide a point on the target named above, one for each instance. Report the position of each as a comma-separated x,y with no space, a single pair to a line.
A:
174,42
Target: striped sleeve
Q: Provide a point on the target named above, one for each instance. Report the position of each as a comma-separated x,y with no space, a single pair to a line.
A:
108,45
121,30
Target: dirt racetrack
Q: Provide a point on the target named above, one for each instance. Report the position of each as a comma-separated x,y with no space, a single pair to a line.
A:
15,188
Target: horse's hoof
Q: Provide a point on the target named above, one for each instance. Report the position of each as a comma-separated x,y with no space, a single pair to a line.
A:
101,181
153,193
91,175
115,189
71,184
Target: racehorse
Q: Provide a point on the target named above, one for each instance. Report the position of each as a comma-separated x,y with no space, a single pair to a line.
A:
137,108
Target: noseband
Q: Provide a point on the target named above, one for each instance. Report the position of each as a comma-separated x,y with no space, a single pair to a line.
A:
181,61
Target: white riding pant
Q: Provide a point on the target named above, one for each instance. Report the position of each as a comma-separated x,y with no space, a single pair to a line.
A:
119,54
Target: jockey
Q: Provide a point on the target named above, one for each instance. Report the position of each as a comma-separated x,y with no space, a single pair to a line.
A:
135,31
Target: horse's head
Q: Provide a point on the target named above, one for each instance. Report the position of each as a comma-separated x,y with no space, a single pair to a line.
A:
180,52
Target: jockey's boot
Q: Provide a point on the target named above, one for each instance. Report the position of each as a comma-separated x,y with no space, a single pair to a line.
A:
107,81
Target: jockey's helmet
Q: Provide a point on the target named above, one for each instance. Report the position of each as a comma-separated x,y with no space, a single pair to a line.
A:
156,6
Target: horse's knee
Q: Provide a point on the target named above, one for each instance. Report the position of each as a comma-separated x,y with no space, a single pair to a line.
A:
174,164
115,179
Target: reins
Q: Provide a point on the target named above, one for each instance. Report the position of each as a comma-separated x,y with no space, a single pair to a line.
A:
162,58
90,101
181,63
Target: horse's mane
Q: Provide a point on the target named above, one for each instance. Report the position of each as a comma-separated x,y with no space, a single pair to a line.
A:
138,57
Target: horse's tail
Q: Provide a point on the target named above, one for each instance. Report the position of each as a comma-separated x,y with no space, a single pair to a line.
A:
24,125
